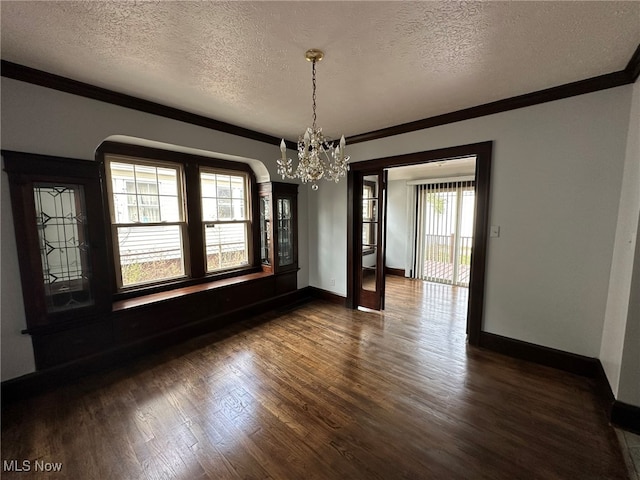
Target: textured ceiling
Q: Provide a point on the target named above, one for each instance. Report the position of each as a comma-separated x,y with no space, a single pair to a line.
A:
386,63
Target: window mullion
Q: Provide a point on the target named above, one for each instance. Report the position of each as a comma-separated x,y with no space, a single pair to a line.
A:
193,217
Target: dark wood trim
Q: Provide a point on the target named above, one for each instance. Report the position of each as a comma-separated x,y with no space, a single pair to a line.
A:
25,171
482,185
49,80
327,296
152,153
139,301
74,87
373,299
633,67
550,357
483,152
352,279
603,389
437,155
35,383
626,416
398,272
194,248
589,85
619,413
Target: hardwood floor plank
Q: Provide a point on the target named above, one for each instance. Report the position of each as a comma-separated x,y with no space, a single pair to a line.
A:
323,392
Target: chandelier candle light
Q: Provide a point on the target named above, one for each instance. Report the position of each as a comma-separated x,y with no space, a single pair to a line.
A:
318,157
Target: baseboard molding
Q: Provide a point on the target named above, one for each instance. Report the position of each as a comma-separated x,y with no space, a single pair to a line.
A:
619,413
626,416
550,357
327,296
603,390
398,272
38,382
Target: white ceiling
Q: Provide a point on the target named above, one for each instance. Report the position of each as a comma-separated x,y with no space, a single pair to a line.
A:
386,63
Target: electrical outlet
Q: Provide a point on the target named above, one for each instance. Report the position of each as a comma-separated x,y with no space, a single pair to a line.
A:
332,282
494,231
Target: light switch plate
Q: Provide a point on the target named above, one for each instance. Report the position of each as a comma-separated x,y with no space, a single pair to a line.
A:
495,231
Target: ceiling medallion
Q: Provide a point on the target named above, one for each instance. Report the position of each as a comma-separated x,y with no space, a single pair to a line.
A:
318,156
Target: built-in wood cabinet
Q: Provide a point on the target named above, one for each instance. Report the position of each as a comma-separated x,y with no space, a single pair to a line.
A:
59,227
278,227
72,310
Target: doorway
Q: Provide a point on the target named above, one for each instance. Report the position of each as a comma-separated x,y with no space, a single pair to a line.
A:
443,243
482,153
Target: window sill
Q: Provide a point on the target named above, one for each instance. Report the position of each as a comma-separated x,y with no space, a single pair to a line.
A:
121,305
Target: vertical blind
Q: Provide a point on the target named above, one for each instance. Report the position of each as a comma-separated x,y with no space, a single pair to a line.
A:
444,232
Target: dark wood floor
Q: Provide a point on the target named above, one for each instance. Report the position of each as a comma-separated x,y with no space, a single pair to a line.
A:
323,392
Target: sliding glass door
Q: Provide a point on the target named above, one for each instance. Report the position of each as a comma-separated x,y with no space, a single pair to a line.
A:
444,232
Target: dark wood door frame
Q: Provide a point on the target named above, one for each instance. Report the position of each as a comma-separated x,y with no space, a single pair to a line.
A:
483,152
366,298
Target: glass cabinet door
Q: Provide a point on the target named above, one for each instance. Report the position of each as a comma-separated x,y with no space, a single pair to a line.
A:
285,232
59,227
278,227
61,222
265,230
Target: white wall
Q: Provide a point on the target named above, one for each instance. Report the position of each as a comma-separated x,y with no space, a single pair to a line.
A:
328,237
556,182
396,224
617,310
629,385
40,120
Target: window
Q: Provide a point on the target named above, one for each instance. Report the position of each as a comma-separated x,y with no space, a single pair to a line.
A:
148,221
177,219
225,218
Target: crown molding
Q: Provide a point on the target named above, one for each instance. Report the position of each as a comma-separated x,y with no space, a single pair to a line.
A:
633,67
49,80
581,87
68,85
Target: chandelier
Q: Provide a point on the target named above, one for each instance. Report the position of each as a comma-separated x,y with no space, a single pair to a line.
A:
318,156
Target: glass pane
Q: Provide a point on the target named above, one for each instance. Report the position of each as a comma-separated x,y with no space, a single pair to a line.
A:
237,187
145,174
285,232
370,210
150,253
169,209
148,209
223,186
209,209
168,181
370,186
265,230
226,246
139,191
125,208
369,270
369,232
224,209
369,235
237,206
223,196
208,184
123,173
64,250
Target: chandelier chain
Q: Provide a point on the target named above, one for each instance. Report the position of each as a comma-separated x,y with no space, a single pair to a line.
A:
313,76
